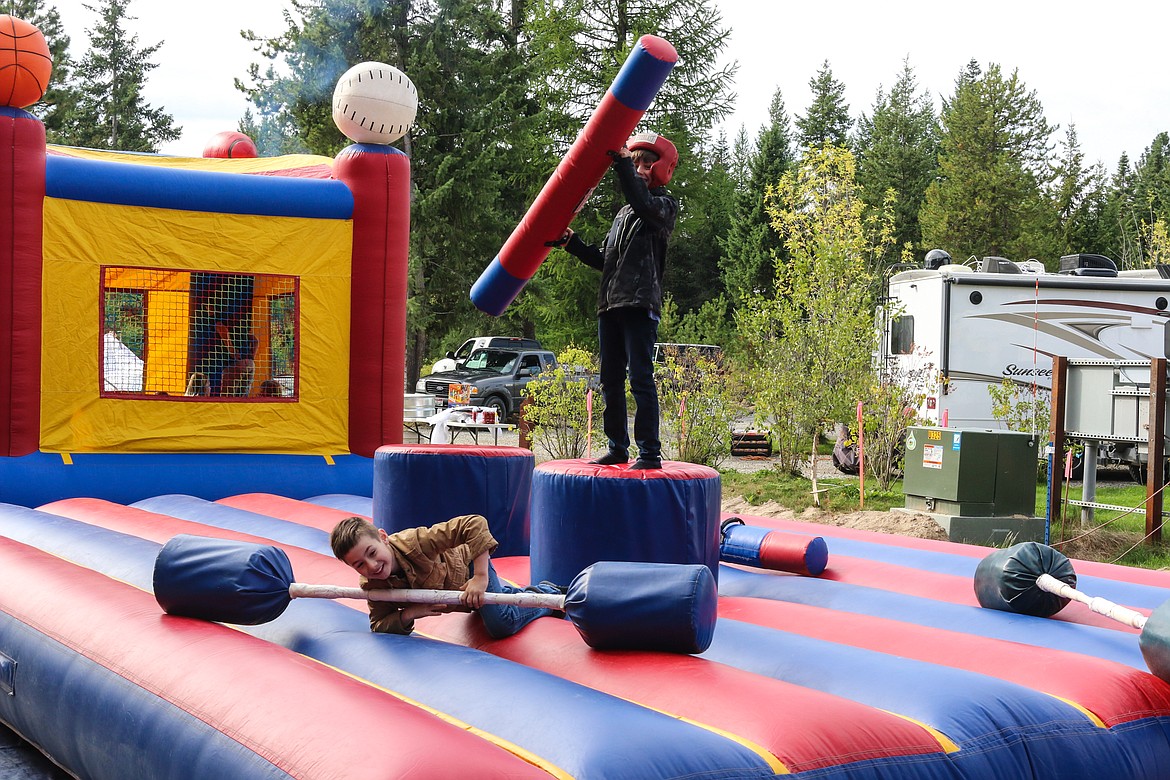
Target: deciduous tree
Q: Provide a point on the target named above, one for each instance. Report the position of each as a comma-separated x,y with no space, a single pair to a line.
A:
813,339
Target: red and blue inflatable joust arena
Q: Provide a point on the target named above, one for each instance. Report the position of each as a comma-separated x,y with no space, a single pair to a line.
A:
213,347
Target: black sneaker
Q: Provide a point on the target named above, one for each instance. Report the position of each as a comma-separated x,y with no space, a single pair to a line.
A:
647,463
561,589
611,458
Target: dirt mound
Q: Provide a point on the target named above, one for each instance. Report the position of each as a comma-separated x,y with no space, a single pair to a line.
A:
899,523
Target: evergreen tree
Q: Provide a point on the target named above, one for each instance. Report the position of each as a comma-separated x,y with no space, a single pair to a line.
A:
575,51
827,122
476,152
994,165
752,249
111,112
692,274
898,153
581,45
1079,196
61,96
1152,179
1122,218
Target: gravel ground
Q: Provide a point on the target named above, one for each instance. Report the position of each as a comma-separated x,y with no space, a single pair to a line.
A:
511,438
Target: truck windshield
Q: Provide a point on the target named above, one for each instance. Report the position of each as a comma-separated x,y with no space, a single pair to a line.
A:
498,360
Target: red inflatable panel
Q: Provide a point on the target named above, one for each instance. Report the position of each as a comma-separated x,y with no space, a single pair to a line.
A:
379,178
22,156
775,715
323,518
251,689
1113,692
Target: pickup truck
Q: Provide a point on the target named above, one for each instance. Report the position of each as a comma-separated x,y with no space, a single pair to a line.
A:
455,359
497,378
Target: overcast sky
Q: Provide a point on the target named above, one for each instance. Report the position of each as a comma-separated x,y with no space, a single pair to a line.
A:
1101,66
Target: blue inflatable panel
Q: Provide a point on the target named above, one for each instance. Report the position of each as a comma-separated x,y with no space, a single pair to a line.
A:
582,514
15,113
42,477
419,485
1042,632
640,78
102,181
358,505
198,510
993,722
357,150
1129,594
592,735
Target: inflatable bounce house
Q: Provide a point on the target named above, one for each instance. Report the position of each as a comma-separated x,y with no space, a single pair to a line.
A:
212,349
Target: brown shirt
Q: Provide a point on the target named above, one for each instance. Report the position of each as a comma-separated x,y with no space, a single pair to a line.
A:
435,557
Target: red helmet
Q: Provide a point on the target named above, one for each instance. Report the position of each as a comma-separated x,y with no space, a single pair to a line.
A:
663,168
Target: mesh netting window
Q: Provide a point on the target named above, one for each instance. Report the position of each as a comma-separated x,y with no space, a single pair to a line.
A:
169,333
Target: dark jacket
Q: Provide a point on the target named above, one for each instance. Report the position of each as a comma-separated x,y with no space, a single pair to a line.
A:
632,260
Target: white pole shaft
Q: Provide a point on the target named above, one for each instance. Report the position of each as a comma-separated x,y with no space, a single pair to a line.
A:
300,590
1109,609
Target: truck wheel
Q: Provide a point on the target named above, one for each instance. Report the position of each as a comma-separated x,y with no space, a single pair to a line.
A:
499,404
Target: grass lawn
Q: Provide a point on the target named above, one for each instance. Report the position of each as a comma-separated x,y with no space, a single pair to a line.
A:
1113,537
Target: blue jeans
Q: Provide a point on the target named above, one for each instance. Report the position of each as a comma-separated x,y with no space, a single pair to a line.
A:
626,338
502,620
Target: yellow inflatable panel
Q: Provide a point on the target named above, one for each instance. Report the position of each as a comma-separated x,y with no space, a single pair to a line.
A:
80,238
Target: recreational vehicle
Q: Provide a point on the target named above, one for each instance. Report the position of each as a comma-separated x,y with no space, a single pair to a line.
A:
961,329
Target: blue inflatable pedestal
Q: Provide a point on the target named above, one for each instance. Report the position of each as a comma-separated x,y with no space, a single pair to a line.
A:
425,484
582,514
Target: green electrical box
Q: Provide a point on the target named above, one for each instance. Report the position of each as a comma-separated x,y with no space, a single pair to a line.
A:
970,473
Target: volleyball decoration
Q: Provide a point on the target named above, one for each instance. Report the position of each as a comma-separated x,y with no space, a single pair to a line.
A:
374,103
25,63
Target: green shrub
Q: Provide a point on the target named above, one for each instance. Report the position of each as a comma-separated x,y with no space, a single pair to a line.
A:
698,407
557,406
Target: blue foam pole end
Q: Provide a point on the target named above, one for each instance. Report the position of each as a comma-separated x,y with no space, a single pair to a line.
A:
222,580
495,289
621,605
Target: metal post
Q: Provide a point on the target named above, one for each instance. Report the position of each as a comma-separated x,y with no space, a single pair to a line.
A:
1056,435
1089,485
1155,464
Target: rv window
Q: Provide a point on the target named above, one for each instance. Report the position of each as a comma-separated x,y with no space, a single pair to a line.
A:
902,336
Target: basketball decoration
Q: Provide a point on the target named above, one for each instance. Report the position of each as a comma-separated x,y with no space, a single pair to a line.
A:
25,64
230,145
374,103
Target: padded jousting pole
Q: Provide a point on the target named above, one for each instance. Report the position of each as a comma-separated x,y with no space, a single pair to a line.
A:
581,170
613,605
1034,579
751,545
